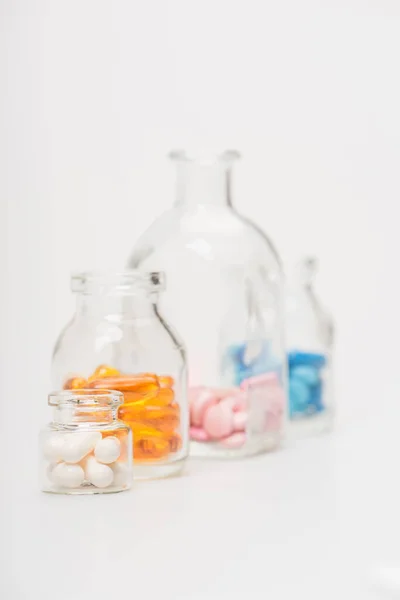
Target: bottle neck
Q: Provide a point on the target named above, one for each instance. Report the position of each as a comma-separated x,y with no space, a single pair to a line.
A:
118,307
203,183
74,416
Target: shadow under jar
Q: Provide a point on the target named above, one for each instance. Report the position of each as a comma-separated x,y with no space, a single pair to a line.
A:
86,449
118,340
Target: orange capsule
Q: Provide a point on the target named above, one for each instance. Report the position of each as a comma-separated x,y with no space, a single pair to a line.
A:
140,430
166,395
126,383
151,443
165,419
146,394
148,449
175,442
155,398
75,383
103,371
166,381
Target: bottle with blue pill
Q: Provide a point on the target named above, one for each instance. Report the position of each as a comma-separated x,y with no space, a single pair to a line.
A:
309,333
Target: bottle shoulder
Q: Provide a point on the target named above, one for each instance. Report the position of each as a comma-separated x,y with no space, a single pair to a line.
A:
207,231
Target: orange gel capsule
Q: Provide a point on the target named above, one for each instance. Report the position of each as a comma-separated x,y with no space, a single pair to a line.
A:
166,381
166,395
103,371
175,442
152,444
165,419
126,383
144,431
156,398
75,383
147,449
146,394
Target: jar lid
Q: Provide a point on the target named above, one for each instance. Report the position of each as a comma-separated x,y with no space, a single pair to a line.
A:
118,282
86,398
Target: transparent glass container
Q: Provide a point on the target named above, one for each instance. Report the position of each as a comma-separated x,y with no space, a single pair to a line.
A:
118,340
85,449
309,331
225,297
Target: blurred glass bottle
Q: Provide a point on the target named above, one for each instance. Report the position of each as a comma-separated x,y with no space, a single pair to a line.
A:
225,298
309,334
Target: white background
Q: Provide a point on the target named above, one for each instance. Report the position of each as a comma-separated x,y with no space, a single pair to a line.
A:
94,93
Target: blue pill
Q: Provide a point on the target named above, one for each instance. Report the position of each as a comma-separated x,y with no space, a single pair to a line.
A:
315,401
310,375
307,359
298,396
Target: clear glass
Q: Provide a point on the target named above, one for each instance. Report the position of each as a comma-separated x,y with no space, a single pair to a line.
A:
117,339
86,449
309,332
225,298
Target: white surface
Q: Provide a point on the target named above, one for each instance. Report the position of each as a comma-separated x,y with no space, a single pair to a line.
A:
93,94
316,521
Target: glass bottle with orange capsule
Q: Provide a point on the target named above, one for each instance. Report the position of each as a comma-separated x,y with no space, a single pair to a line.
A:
117,340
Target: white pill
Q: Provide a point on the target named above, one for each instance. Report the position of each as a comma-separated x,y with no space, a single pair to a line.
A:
98,474
53,447
107,450
69,476
79,444
122,475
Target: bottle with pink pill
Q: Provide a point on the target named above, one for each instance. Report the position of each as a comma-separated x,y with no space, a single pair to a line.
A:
309,331
225,297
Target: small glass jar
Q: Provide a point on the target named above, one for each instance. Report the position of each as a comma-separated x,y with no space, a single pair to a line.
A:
225,296
86,449
118,340
309,332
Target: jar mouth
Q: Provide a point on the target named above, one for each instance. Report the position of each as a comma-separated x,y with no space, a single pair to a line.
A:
204,157
86,398
119,282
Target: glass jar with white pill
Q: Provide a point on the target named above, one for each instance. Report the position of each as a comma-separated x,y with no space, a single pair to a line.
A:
85,449
309,331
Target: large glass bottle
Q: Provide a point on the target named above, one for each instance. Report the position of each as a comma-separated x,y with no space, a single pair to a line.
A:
309,333
118,340
225,298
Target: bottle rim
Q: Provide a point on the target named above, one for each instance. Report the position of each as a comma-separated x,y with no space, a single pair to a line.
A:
86,398
121,282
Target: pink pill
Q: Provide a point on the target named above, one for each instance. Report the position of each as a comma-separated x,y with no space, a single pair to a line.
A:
198,434
239,421
218,421
234,441
200,401
235,403
225,392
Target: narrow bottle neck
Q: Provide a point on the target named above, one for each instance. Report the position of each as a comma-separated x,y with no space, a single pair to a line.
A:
74,416
201,183
118,306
